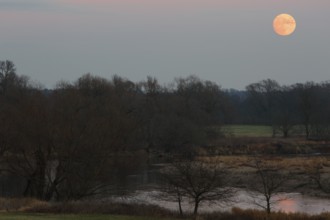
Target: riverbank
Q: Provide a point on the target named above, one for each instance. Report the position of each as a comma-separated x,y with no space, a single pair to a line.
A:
302,172
27,216
236,215
74,211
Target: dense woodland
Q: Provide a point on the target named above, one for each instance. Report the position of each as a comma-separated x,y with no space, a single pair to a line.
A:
63,141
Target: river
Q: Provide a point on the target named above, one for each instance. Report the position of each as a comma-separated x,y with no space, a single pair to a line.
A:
284,202
138,183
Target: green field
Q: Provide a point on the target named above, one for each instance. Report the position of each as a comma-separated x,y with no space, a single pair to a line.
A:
248,130
9,216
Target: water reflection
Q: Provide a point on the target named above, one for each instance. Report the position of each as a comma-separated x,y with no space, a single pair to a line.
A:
295,202
146,180
137,175
288,205
304,204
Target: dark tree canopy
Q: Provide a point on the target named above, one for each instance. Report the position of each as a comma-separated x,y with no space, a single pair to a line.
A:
70,136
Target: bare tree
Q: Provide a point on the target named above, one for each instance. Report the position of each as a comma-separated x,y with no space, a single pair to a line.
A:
320,128
198,182
9,80
262,95
284,116
307,104
92,124
269,182
31,149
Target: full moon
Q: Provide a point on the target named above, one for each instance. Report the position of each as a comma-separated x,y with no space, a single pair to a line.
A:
284,24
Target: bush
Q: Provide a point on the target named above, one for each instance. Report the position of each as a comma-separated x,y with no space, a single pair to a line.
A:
19,204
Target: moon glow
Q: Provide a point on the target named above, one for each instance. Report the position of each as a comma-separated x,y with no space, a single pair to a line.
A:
284,24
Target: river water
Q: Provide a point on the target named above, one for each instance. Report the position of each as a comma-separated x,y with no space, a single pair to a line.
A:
284,202
144,192
140,183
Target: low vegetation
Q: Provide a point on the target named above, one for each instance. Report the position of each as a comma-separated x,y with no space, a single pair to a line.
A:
28,208
235,214
6,216
239,214
248,130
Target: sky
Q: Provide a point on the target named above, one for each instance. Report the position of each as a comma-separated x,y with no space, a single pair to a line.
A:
230,42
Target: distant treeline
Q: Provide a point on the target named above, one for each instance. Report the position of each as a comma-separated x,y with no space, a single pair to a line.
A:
305,105
62,141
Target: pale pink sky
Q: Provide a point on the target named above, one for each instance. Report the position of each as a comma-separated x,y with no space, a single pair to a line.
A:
228,41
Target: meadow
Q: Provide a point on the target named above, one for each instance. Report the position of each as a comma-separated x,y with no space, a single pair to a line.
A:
259,131
248,130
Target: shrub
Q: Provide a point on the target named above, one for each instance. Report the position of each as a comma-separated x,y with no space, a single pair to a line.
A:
19,204
98,207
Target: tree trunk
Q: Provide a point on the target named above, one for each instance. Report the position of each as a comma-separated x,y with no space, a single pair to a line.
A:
268,205
180,206
285,133
40,181
49,194
196,208
307,131
273,131
27,190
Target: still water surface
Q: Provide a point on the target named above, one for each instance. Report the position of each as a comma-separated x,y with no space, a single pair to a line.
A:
287,202
140,182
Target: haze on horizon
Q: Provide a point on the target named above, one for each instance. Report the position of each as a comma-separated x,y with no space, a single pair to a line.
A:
229,42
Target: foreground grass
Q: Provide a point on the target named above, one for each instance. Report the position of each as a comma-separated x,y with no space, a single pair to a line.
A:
21,216
249,130
237,214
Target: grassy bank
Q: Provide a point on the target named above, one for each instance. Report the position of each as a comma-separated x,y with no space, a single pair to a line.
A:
239,214
31,209
23,216
236,214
